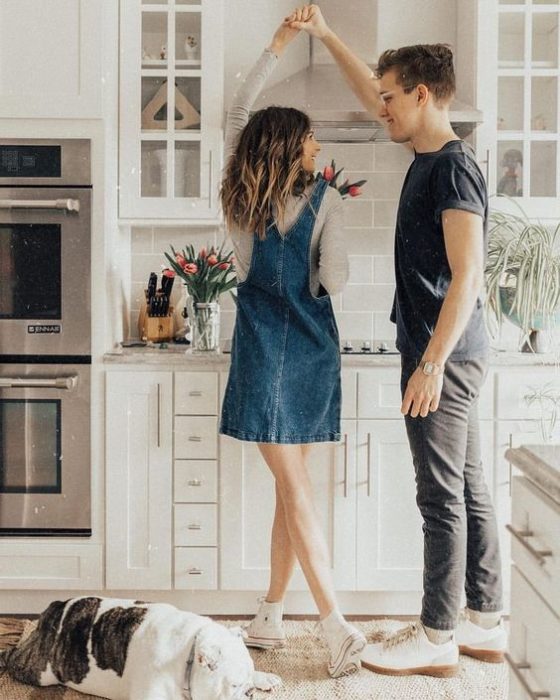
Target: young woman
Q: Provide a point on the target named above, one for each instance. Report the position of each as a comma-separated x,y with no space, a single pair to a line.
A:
283,390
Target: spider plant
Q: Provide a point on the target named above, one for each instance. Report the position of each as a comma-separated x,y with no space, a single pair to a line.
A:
547,398
522,274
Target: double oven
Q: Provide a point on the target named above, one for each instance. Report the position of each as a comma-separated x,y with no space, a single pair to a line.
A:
45,337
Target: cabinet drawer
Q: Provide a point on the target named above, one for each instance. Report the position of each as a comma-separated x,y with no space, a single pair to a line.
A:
196,568
534,512
196,525
349,381
379,393
534,637
195,481
196,437
196,393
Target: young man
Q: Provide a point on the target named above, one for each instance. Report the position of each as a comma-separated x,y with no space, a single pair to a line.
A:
439,265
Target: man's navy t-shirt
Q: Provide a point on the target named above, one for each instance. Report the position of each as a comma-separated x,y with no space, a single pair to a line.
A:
446,179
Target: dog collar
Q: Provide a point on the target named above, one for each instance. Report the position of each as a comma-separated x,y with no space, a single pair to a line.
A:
189,666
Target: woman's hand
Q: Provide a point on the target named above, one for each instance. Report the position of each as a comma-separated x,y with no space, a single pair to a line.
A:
310,19
282,37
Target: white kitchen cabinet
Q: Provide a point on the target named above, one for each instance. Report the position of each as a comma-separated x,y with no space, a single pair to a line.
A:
247,511
139,479
518,88
169,168
51,58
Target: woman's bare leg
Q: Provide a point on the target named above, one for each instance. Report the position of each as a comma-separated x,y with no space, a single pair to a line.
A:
287,464
282,555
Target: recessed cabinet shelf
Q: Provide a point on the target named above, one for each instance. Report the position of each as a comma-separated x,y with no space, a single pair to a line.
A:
171,110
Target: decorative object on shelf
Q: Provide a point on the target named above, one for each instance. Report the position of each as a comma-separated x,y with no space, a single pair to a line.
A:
163,53
206,275
331,174
188,114
523,277
191,47
511,182
548,399
538,123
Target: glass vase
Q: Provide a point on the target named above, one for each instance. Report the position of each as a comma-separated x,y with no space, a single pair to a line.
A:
204,320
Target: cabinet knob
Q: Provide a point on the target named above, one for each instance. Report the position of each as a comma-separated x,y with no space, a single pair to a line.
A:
195,393
195,438
195,482
194,526
193,571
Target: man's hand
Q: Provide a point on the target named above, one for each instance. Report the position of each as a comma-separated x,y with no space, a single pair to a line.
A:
422,394
310,19
282,37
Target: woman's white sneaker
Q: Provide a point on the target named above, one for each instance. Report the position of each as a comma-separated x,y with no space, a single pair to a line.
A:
345,644
409,651
266,631
480,643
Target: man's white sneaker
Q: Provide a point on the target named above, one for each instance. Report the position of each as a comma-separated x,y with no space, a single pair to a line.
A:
480,643
409,651
345,645
266,631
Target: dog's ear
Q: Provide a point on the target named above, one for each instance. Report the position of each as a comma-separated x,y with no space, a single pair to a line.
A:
208,655
266,681
238,632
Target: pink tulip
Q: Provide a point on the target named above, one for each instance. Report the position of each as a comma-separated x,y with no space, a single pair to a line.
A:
354,191
223,266
212,259
202,253
190,268
328,173
180,259
168,273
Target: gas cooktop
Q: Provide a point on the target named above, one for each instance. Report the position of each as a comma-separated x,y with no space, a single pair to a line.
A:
350,347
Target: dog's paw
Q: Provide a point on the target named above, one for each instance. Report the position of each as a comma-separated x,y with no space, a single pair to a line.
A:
266,681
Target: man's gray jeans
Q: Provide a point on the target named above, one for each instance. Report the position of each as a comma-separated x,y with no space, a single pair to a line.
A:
461,549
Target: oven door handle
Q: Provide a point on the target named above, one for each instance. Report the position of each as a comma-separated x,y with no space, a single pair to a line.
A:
39,382
67,204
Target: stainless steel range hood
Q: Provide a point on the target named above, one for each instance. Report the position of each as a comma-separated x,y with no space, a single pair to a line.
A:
337,115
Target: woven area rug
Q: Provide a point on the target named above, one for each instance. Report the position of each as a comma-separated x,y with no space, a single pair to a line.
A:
302,667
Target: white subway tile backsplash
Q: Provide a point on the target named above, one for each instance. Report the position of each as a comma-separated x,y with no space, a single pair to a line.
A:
348,156
361,269
392,157
368,297
384,269
385,212
354,325
358,212
386,185
369,241
383,328
142,265
142,240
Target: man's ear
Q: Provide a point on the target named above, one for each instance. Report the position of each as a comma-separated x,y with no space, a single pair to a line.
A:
422,93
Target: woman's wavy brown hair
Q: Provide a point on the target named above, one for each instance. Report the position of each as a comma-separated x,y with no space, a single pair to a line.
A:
265,169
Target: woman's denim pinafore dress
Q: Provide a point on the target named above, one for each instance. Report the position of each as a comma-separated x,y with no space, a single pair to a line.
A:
284,379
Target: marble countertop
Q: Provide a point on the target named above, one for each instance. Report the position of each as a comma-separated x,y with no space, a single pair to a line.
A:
541,465
177,355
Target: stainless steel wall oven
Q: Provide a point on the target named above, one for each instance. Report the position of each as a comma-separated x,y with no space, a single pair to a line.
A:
45,337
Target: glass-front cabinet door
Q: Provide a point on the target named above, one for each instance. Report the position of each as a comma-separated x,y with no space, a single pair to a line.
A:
171,107
525,163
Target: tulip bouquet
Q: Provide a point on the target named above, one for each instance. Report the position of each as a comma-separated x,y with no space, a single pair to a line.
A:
347,188
206,274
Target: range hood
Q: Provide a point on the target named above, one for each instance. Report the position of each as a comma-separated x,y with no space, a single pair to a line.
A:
337,115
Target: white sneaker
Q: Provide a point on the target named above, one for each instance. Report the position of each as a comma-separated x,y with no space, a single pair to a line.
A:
480,643
266,631
409,651
345,645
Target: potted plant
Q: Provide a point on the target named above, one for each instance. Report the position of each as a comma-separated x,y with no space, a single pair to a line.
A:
523,277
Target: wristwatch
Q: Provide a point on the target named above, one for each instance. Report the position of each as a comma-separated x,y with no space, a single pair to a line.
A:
431,368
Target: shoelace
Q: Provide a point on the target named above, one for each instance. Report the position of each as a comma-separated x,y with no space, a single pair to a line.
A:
402,636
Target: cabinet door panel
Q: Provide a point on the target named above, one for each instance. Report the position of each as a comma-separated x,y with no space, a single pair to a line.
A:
247,498
390,544
139,479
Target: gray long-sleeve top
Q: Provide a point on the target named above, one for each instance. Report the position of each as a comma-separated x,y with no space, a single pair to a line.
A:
328,257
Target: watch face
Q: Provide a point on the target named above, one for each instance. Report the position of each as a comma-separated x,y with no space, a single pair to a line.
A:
429,368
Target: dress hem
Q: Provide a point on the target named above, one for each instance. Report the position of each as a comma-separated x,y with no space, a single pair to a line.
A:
280,439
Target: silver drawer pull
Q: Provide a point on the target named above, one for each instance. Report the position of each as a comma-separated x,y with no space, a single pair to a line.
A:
195,482
195,572
195,393
195,438
67,204
521,535
31,383
517,668
194,526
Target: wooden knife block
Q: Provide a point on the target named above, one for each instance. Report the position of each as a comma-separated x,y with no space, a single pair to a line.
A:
156,329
